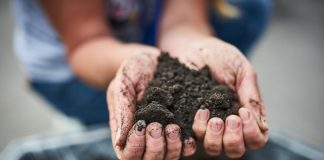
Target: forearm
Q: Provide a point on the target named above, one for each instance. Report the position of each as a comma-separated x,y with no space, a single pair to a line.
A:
93,53
182,20
97,60
94,61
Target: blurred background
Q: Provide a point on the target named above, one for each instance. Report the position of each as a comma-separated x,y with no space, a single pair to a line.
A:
289,61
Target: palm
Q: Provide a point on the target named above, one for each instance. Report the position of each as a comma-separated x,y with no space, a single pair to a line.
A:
229,66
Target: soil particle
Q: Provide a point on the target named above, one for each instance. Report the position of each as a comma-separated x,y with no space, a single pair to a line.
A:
140,125
177,92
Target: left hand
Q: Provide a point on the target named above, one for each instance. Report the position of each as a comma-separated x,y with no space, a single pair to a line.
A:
138,140
229,66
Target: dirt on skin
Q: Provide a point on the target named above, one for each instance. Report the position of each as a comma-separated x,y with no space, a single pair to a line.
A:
177,92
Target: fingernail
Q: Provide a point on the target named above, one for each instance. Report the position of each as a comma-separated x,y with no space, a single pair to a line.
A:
189,143
216,126
245,115
156,132
174,134
203,114
233,124
140,127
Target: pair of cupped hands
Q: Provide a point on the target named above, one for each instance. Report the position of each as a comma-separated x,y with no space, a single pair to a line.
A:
137,140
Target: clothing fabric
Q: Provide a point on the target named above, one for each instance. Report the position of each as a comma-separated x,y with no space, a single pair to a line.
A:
42,53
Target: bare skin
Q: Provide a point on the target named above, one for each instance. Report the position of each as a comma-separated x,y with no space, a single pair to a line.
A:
230,67
95,56
195,46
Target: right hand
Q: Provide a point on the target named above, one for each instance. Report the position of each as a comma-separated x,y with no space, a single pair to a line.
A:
140,140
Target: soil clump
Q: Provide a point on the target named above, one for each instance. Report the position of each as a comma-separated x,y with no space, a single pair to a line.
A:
176,92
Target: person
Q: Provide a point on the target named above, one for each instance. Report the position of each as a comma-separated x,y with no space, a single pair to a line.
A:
73,50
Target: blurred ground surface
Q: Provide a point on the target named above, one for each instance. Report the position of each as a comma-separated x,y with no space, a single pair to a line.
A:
289,60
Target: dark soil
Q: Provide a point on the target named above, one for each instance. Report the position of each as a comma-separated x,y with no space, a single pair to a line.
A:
177,92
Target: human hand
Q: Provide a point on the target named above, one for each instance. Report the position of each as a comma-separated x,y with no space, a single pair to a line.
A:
229,66
139,140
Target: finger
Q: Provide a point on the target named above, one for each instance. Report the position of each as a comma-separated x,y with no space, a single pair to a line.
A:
200,123
128,86
189,147
214,137
172,132
123,107
155,144
112,117
135,144
233,137
253,137
113,122
250,97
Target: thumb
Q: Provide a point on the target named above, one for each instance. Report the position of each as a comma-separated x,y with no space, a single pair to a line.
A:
121,102
112,116
250,97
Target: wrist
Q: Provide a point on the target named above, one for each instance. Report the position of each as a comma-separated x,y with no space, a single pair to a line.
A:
178,26
181,36
184,32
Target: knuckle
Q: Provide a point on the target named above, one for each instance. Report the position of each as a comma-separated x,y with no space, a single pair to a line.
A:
255,140
150,156
213,146
256,144
156,149
213,152
133,151
172,156
233,141
174,147
136,148
253,135
235,155
213,149
235,152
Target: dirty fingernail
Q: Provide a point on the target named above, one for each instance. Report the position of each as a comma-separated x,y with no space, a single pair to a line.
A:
245,115
140,127
203,114
233,124
156,132
174,134
189,143
216,126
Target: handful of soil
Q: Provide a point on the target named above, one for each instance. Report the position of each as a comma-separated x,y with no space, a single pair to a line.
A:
177,92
